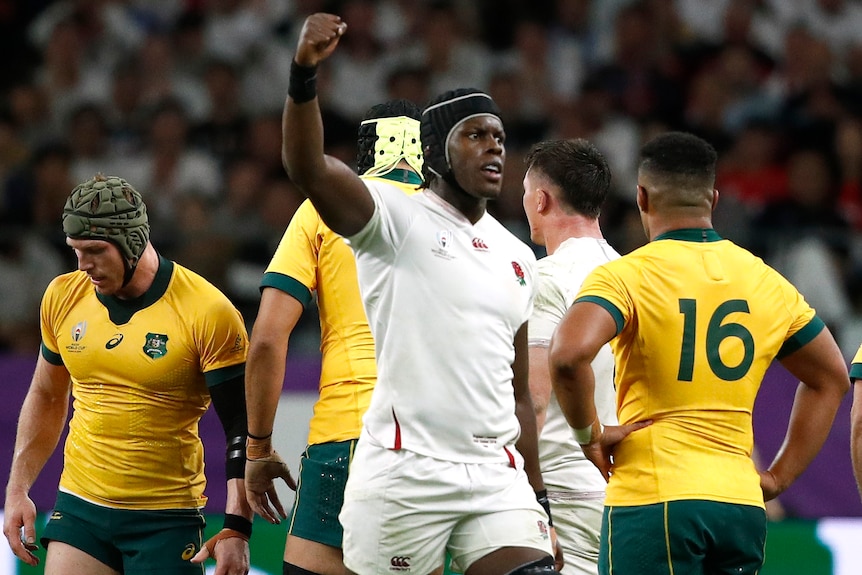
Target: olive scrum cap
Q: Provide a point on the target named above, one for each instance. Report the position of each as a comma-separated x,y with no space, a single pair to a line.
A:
108,208
389,133
443,115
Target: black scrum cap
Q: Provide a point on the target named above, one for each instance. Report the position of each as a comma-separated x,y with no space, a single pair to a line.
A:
443,115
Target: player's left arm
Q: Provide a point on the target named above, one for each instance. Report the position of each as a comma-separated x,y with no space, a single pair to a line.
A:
856,418
584,329
540,383
528,442
548,308
229,547
40,425
856,433
820,367
223,349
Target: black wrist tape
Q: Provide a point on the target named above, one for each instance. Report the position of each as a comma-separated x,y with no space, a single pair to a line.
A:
302,86
542,498
237,523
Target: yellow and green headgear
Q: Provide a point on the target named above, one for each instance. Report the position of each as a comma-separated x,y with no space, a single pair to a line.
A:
388,134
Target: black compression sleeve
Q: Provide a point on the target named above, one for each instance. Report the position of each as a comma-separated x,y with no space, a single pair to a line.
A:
228,400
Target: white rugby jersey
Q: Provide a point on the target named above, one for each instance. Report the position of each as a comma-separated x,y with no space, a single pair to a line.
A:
444,299
560,275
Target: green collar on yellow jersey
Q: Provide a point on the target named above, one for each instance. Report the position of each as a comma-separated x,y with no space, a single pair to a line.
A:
121,310
691,235
402,175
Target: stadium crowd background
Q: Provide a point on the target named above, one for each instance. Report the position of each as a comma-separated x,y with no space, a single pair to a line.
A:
183,99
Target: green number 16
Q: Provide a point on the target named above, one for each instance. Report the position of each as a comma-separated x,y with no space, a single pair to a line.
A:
716,332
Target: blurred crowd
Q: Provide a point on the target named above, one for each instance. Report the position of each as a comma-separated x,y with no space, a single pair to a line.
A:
183,99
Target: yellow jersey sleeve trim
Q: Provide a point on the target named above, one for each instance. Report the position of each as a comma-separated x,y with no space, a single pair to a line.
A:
50,356
609,307
855,371
224,374
801,337
288,285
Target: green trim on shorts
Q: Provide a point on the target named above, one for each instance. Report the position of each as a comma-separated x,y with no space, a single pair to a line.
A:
131,541
688,537
320,492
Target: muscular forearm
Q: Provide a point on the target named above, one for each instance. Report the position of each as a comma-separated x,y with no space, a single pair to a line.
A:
236,502
264,380
856,434
585,328
810,422
527,443
822,372
574,386
40,425
303,157
540,384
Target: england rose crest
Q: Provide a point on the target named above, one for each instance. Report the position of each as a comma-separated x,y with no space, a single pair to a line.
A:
519,273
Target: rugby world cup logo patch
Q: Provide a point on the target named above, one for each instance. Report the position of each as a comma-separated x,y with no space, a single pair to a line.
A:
444,238
79,331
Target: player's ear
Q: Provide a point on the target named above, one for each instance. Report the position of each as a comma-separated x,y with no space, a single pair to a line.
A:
643,199
543,200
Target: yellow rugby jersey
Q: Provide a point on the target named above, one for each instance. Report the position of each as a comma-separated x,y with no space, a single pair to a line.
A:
313,258
699,320
856,365
140,374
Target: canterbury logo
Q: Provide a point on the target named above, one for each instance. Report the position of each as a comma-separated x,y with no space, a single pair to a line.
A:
114,341
400,563
480,244
189,551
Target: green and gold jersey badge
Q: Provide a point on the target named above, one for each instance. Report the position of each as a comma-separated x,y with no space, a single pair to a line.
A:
156,345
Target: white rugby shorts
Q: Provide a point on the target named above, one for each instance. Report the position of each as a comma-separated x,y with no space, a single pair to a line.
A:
578,521
403,510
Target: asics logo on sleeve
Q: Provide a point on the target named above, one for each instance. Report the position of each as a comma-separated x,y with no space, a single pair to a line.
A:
114,341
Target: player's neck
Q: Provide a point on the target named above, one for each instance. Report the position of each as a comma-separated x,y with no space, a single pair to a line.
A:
566,227
471,207
142,279
659,226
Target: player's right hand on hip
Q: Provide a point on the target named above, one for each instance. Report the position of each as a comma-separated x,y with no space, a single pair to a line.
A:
600,451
